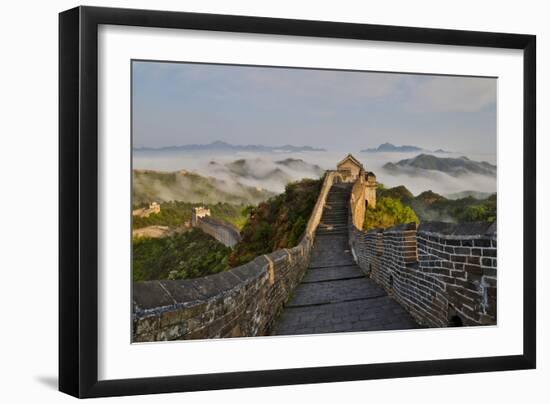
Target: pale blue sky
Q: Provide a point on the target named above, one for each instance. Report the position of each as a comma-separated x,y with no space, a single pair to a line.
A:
183,103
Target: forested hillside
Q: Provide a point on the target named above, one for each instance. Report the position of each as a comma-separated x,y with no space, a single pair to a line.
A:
158,186
430,206
184,255
271,225
388,212
177,213
278,222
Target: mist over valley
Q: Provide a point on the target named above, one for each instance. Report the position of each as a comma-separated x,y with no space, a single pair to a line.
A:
271,171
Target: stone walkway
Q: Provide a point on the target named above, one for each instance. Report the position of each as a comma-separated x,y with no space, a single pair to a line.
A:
334,295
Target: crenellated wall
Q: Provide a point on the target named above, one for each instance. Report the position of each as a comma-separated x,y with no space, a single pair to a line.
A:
443,274
241,302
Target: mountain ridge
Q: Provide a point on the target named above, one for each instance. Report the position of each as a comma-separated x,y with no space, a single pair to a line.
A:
224,146
455,167
391,148
272,175
164,186
431,206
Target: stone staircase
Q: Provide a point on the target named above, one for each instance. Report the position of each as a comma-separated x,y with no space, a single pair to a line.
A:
334,295
335,215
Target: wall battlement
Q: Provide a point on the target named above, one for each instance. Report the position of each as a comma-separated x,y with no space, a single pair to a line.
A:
443,274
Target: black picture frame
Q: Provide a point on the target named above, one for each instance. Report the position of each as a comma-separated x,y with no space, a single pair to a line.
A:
78,196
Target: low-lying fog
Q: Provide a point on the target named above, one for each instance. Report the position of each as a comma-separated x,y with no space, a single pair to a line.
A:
262,166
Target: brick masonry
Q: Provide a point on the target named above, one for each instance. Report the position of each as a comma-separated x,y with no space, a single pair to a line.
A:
443,274
244,301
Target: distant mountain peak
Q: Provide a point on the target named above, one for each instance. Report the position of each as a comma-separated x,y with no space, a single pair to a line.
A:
289,160
449,165
300,165
221,145
430,197
388,147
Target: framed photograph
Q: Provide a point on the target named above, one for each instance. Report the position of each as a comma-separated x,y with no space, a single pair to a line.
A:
250,201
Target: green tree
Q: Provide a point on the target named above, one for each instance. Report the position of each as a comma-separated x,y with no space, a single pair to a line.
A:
388,212
478,213
185,255
297,231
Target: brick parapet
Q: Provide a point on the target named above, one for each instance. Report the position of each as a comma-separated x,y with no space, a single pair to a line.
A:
443,274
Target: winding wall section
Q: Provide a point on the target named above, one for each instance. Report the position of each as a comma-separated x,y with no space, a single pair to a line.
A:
241,302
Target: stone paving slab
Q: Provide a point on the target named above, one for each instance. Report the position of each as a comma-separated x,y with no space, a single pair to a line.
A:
377,314
340,241
332,273
335,291
331,251
332,263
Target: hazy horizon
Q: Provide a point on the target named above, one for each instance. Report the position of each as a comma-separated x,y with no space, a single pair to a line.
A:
178,104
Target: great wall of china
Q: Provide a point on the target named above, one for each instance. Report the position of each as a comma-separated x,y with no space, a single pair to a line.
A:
224,232
338,278
153,208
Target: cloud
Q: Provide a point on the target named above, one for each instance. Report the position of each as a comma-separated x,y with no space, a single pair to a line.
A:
261,164
461,94
285,83
439,93
315,83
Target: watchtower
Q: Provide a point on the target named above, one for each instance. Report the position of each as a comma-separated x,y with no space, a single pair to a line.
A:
198,213
349,168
